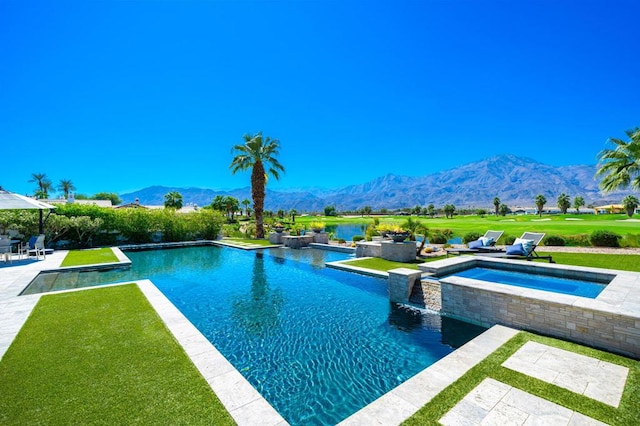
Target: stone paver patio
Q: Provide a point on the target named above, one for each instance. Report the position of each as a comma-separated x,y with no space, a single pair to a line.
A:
495,403
581,374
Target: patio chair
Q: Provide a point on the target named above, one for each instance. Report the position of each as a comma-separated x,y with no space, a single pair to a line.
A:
485,244
523,248
5,249
37,249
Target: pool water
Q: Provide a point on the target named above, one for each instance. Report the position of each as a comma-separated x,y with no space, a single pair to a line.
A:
318,343
573,287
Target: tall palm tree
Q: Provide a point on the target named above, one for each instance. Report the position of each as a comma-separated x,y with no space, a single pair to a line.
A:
43,182
564,202
540,202
66,186
577,203
496,204
246,204
621,166
256,153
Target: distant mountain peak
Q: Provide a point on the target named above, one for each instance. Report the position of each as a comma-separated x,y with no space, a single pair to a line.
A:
515,180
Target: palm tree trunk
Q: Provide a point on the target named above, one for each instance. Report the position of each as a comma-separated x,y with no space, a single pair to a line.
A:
258,182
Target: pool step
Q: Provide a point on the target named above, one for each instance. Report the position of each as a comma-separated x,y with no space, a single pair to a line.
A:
65,281
88,279
42,284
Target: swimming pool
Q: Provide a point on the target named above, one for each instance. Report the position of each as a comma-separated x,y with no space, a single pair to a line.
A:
317,343
573,287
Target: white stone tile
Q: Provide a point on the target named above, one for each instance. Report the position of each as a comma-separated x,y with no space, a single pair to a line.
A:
503,415
578,419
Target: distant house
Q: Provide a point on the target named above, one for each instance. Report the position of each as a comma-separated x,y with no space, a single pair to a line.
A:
610,209
99,203
135,205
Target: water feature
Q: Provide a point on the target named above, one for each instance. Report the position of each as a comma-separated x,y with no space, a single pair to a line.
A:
317,343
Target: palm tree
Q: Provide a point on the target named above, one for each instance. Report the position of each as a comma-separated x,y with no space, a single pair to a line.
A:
630,204
256,153
448,210
246,203
564,202
621,166
173,200
66,186
540,202
496,204
43,182
431,209
577,203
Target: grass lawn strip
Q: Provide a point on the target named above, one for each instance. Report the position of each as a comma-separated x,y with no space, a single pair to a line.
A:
384,265
627,413
102,356
89,257
624,262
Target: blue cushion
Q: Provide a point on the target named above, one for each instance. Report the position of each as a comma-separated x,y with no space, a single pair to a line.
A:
486,241
475,244
515,249
527,245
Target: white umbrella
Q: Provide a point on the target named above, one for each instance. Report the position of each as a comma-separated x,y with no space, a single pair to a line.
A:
13,201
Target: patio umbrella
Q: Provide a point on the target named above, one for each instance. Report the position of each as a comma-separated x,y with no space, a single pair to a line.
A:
13,201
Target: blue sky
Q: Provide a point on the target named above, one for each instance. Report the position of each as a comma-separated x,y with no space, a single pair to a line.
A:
120,95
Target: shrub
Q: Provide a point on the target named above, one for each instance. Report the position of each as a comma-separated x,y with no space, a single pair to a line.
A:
580,240
555,240
631,240
438,238
470,236
357,238
600,238
508,239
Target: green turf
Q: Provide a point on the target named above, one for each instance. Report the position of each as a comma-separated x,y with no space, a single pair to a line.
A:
627,413
101,356
625,262
379,264
259,242
89,257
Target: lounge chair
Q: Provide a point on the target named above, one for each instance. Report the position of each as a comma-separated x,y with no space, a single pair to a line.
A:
523,248
485,244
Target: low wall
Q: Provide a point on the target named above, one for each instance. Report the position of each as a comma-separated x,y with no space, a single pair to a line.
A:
398,252
606,329
401,282
368,249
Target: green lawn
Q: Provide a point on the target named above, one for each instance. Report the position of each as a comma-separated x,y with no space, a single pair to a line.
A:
627,413
379,264
260,242
625,262
89,257
102,356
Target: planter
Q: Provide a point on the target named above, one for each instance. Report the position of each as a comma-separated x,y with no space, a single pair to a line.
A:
278,229
317,230
398,237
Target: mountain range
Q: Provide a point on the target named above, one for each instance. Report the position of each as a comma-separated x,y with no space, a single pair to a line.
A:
515,180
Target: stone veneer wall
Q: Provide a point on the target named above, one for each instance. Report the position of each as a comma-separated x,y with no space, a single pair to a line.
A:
610,331
398,252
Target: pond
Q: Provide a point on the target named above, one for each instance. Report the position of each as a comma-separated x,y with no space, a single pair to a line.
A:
347,232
